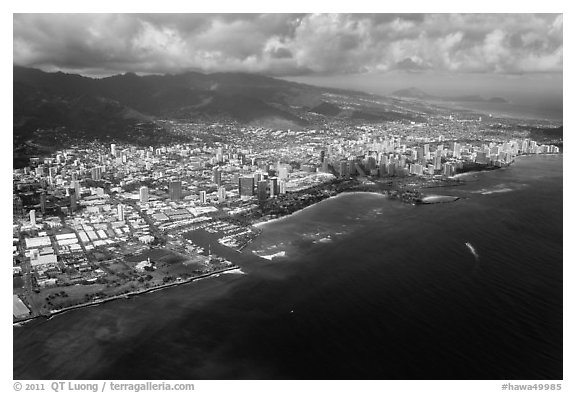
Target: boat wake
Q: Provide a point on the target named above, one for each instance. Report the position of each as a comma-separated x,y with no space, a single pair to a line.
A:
496,191
234,271
472,250
278,254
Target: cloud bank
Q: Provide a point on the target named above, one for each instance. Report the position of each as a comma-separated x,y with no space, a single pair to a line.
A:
290,44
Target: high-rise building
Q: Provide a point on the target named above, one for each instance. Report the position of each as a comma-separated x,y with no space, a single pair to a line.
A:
481,158
282,186
33,217
382,169
43,202
258,176
352,169
113,149
357,168
17,206
175,190
144,197
77,189
421,156
202,196
73,200
456,150
221,194
217,176
438,163
120,212
343,170
273,186
262,190
416,169
283,172
246,186
370,162
448,169
96,173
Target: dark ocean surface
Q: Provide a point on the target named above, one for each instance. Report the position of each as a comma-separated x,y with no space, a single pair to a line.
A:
368,288
537,111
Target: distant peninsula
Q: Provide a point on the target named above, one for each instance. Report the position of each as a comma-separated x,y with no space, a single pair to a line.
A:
414,92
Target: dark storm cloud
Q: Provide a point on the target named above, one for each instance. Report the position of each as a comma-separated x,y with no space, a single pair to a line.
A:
290,44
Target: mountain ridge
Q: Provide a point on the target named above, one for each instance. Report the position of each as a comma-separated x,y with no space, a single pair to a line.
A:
56,109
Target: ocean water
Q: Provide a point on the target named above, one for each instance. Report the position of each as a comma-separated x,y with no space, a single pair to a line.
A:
360,287
551,111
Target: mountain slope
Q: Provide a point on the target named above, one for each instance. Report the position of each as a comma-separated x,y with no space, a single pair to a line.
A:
56,109
185,95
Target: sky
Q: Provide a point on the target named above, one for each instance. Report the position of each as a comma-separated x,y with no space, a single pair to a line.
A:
440,53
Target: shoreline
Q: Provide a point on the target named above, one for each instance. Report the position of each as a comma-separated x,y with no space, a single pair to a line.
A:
520,156
123,296
425,200
463,174
261,222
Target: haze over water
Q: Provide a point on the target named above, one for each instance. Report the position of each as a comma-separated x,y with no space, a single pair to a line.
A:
370,288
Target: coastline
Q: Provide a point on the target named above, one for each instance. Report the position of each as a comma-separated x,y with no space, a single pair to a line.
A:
263,221
463,174
520,156
128,295
218,316
259,224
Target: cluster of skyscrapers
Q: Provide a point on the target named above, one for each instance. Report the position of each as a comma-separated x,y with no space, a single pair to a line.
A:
391,158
